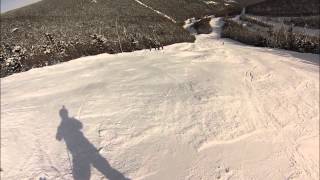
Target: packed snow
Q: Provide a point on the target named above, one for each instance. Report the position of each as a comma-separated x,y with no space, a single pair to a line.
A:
213,109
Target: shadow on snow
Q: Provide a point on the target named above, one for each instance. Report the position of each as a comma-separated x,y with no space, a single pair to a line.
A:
83,152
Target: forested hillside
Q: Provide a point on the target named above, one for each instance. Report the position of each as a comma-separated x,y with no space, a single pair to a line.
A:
286,8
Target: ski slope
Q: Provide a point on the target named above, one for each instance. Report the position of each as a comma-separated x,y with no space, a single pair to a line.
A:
213,109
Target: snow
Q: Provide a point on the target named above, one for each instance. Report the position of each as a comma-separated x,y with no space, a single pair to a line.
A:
188,25
213,109
211,2
231,1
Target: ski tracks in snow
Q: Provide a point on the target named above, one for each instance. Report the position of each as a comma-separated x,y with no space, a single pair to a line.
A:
208,110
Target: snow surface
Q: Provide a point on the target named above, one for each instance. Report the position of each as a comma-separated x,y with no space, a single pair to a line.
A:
211,2
213,109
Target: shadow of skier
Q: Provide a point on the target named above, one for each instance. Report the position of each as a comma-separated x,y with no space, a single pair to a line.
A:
84,154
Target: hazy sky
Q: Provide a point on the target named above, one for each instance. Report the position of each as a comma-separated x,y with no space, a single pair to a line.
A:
7,5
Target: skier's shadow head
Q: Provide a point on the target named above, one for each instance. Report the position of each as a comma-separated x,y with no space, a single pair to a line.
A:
63,113
83,153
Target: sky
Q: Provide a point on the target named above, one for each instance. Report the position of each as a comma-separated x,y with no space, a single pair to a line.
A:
7,5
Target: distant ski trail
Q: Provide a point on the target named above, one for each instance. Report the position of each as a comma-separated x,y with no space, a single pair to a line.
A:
156,11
